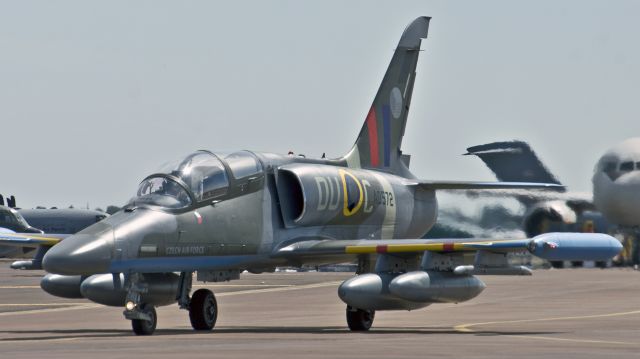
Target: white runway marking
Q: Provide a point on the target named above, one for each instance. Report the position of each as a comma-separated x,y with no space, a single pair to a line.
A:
80,306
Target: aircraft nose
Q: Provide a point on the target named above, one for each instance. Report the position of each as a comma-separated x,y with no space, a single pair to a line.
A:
88,252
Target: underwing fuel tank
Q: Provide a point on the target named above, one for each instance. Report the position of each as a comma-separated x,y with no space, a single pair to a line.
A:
64,286
109,289
408,291
575,246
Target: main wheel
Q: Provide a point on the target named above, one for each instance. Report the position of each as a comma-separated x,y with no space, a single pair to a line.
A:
360,320
145,327
203,310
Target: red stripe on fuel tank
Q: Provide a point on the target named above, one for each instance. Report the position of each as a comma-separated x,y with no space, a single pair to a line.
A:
382,248
372,125
447,247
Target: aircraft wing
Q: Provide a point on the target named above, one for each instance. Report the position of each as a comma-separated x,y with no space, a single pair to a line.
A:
30,239
550,246
466,185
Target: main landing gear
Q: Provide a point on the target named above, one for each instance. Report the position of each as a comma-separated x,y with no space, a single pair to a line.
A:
202,305
360,320
203,310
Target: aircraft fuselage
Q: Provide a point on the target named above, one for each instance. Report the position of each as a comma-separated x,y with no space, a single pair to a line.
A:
288,199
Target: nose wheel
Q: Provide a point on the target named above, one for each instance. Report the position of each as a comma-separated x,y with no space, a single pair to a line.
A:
203,310
145,326
360,320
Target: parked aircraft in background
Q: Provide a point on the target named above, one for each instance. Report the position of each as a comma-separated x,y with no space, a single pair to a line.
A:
62,220
42,220
221,214
12,221
549,211
616,192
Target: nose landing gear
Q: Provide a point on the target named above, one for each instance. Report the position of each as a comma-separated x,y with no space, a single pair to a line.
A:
146,325
202,305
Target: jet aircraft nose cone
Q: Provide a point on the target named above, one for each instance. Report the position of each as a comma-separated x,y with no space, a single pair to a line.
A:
88,252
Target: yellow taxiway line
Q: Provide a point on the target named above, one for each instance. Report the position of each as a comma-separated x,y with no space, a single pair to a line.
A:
466,328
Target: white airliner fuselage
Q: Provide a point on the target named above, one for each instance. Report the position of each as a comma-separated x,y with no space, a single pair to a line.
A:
616,183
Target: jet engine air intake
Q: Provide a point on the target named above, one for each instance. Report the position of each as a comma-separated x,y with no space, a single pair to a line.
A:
291,196
313,195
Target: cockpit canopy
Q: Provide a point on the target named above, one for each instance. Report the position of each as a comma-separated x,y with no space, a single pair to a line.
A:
202,172
202,176
615,168
10,218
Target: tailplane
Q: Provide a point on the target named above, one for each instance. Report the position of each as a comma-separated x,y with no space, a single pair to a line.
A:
513,161
378,145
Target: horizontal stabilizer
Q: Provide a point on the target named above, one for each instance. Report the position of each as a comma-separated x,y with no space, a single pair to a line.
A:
513,161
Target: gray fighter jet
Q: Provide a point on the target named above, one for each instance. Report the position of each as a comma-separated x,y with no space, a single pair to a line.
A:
218,215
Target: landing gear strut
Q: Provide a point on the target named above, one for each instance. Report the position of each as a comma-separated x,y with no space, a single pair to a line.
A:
359,320
203,310
202,306
142,315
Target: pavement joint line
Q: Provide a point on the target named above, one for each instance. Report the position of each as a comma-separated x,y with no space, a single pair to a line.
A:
51,310
20,287
196,285
79,306
282,289
243,285
41,304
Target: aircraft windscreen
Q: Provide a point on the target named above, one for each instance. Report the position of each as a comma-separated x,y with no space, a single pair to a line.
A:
202,172
163,192
19,218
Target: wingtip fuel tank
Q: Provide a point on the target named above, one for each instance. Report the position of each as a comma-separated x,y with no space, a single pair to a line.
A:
575,246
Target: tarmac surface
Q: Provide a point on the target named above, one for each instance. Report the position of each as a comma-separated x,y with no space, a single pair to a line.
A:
569,313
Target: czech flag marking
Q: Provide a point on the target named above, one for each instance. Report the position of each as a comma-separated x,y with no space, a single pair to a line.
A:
198,217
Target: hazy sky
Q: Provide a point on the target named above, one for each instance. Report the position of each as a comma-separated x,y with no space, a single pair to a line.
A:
96,95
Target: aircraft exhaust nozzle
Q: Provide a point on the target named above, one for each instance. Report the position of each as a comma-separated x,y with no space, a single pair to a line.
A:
575,246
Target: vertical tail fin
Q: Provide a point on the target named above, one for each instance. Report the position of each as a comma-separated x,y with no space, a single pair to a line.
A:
378,145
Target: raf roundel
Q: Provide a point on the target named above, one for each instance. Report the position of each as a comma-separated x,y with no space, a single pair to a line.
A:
395,102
